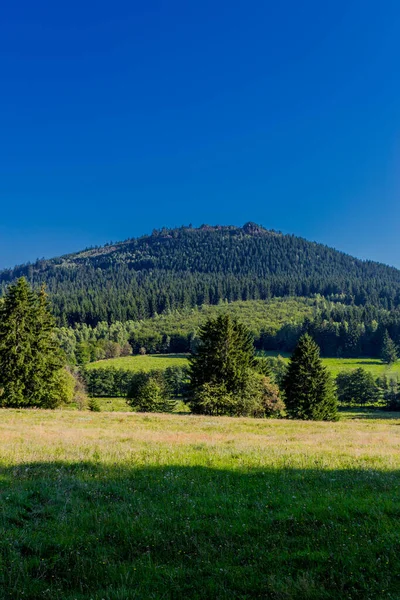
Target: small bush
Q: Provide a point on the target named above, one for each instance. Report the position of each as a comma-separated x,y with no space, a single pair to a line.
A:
213,399
176,379
270,402
80,394
62,392
149,393
93,405
277,369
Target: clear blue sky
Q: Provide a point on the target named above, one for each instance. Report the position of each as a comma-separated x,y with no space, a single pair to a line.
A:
118,117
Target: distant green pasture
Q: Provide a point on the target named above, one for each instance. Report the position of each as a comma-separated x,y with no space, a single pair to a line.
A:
336,365
148,362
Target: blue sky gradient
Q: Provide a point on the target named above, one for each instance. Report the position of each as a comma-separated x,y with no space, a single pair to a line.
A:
119,117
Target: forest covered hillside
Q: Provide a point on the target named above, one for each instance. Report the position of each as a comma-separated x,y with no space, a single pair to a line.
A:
186,267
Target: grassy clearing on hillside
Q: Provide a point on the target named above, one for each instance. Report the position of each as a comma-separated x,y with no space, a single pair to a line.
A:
126,506
148,362
268,315
373,365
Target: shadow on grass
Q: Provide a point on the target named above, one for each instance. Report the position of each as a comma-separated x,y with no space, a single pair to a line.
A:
169,356
88,531
361,361
349,413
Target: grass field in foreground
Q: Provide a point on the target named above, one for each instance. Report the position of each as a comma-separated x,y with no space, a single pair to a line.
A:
121,506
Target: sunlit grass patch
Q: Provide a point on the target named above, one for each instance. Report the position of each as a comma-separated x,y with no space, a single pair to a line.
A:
148,362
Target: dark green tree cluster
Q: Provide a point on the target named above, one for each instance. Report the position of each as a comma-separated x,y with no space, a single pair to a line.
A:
111,382
187,267
31,364
357,387
107,382
225,379
390,392
353,331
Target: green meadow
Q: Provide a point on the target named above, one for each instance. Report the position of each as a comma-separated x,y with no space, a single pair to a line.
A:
123,506
336,365
148,362
373,365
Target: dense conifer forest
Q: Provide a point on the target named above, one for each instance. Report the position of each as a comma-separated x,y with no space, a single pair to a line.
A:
186,267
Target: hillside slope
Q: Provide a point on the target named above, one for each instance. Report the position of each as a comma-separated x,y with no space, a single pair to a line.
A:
174,268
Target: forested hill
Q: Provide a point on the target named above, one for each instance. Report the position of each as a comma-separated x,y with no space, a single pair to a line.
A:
173,268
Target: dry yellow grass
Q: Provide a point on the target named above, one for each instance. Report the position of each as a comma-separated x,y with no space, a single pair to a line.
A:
50,435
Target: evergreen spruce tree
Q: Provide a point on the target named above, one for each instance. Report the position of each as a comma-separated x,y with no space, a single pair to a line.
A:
46,355
224,355
309,392
389,350
30,360
16,334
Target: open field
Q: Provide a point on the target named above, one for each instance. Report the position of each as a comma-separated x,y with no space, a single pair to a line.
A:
373,365
336,365
148,362
119,506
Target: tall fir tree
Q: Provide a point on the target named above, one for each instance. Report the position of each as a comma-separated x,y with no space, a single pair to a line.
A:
16,334
224,356
46,355
309,391
389,350
30,360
